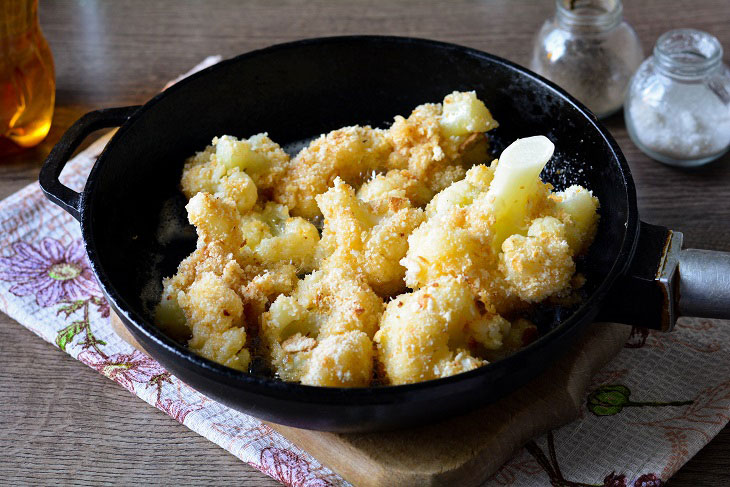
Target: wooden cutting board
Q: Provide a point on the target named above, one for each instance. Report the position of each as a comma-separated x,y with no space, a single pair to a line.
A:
465,450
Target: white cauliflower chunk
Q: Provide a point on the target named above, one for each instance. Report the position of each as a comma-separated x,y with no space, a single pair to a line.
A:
428,334
275,237
367,238
540,264
321,334
464,113
235,169
216,314
578,209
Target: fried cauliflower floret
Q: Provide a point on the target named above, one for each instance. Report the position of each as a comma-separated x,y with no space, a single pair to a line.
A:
578,209
350,153
303,332
436,142
442,247
468,222
396,183
540,264
445,246
462,193
236,169
428,334
236,270
262,289
367,238
464,114
275,237
341,360
215,219
216,314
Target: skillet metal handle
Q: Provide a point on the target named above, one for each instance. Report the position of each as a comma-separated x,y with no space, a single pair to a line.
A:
704,283
56,191
665,282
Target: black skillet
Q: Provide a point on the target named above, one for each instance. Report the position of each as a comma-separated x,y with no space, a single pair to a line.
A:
295,91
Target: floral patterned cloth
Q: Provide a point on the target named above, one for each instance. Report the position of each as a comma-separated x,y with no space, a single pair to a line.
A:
646,413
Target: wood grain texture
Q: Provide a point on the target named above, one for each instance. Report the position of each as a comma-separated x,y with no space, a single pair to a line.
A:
121,53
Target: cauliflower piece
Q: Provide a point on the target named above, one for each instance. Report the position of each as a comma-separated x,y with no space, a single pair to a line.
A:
349,153
236,169
578,210
341,360
464,114
368,238
436,142
462,193
275,237
539,265
445,246
521,333
396,183
262,289
420,148
212,296
428,334
169,315
216,314
303,332
215,219
441,247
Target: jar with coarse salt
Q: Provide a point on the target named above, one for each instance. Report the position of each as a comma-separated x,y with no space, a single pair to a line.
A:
677,110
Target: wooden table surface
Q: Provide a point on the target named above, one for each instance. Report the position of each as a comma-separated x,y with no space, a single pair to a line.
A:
62,422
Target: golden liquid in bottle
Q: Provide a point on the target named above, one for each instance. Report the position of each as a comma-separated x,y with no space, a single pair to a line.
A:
27,83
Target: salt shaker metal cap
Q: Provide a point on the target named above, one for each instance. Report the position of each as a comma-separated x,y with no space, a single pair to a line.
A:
677,110
590,51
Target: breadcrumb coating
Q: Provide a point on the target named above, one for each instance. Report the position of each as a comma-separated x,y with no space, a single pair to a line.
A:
540,264
367,238
396,183
434,154
428,334
414,206
321,333
257,159
351,153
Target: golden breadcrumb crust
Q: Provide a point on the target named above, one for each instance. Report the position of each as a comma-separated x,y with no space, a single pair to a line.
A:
390,255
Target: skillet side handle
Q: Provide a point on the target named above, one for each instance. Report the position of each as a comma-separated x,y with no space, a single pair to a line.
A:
704,283
56,191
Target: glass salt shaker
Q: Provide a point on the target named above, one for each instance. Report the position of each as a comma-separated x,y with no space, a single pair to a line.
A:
590,51
678,106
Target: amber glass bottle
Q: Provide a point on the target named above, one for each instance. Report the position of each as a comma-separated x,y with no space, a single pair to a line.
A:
27,83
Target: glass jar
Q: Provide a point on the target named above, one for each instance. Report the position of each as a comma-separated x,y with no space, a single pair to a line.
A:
27,82
678,107
590,51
